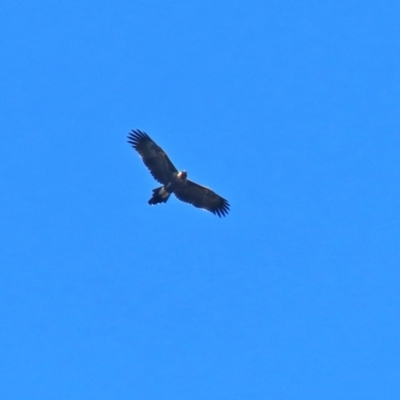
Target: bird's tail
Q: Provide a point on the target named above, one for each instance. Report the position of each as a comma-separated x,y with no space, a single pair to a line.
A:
160,195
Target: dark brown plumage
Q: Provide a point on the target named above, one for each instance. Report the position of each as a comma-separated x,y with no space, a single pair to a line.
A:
173,181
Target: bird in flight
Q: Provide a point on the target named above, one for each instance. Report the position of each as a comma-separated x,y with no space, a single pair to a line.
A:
174,181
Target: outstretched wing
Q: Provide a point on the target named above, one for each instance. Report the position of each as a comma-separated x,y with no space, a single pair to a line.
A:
202,197
154,157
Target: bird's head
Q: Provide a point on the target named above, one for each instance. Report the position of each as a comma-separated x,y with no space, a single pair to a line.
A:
182,175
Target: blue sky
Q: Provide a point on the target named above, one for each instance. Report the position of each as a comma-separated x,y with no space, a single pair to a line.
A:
290,110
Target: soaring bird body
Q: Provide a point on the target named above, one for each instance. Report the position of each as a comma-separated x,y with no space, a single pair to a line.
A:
172,180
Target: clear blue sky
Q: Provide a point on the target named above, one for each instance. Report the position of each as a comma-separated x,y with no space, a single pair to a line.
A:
290,110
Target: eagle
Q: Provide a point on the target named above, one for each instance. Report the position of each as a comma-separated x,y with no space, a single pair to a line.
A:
174,181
